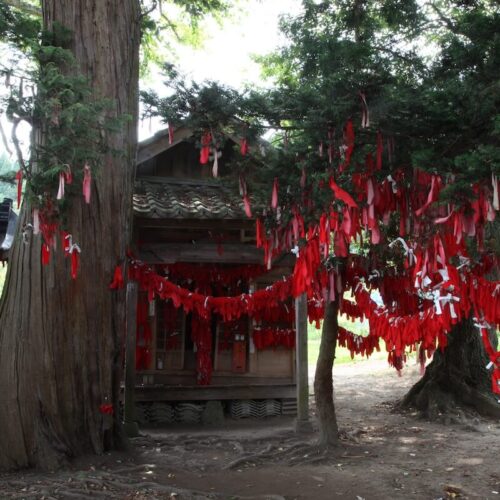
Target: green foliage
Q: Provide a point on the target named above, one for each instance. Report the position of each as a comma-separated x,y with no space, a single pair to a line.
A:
57,101
17,28
442,112
164,22
205,107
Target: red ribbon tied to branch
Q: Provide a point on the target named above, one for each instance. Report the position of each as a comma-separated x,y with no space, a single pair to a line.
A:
106,409
274,196
87,182
19,179
244,147
118,282
74,251
205,148
170,133
341,194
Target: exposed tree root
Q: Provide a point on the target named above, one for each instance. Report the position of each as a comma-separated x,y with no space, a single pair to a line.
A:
456,386
300,453
248,458
90,485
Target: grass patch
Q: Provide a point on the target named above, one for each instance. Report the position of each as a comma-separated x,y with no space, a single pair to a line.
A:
342,355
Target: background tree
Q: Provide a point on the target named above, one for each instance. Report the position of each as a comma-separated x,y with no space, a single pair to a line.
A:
357,101
61,339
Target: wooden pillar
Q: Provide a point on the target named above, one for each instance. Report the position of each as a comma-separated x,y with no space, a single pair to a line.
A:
129,424
303,423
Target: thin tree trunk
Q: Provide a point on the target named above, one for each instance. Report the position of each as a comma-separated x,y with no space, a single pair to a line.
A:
60,355
323,380
456,378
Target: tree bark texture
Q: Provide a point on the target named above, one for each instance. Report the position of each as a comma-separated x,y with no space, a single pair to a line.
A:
323,380
456,378
61,339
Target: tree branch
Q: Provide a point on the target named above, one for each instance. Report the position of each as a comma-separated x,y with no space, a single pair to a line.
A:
171,26
394,53
148,11
17,147
443,18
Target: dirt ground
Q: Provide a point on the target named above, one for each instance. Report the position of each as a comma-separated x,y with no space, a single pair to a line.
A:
383,455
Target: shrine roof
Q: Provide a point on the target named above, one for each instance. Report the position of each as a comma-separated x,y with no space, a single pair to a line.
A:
172,198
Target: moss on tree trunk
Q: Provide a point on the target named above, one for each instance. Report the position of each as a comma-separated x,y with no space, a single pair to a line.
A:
60,354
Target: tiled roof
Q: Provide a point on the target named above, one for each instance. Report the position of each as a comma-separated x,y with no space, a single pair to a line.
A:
168,198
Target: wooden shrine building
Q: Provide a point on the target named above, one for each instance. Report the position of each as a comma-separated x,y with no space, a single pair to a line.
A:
192,229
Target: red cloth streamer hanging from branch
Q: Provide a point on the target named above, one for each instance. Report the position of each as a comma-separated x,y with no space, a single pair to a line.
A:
432,196
205,148
260,232
45,254
73,251
402,323
19,179
244,146
348,144
75,260
494,357
246,198
87,183
331,140
106,409
272,337
170,133
118,282
274,196
380,150
341,194
246,204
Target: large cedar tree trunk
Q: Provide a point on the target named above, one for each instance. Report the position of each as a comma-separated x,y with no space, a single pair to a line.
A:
456,378
61,340
323,380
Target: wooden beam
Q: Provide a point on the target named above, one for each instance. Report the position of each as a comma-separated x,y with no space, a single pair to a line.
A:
303,423
129,421
211,392
202,224
169,253
159,143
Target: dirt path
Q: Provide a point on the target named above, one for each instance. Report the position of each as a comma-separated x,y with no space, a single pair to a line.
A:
384,455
